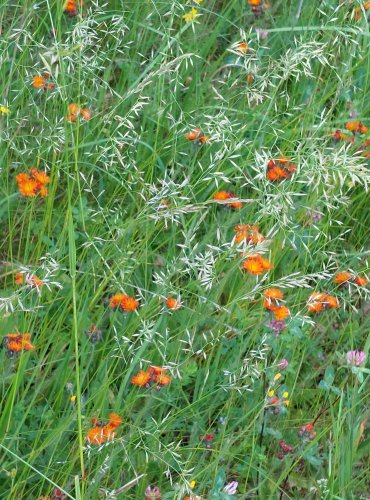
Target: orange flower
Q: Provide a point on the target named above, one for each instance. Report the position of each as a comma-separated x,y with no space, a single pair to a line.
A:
129,303
338,135
95,435
26,185
256,264
279,169
32,281
40,177
273,294
356,126
86,114
318,301
116,300
17,342
141,379
361,280
225,195
221,196
242,47
276,174
248,233
281,312
159,375
342,277
71,8
331,302
163,379
38,82
255,3
74,111
196,134
173,303
115,420
19,278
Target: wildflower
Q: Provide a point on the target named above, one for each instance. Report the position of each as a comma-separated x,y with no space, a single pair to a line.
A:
17,342
173,303
248,233
191,15
356,127
271,393
192,484
159,375
73,398
277,376
279,169
40,82
124,301
318,301
273,294
356,358
361,281
261,33
4,110
283,363
21,278
256,264
277,326
94,334
58,494
230,488
343,277
196,135
242,47
33,184
71,8
141,379
307,432
101,432
207,440
340,136
225,195
74,111
153,493
285,449
281,312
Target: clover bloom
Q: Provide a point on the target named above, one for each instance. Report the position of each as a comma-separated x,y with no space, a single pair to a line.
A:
227,195
318,301
152,493
231,488
248,233
277,326
255,264
191,15
30,185
17,342
356,358
173,303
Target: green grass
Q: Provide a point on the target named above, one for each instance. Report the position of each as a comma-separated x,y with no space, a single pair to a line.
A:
148,78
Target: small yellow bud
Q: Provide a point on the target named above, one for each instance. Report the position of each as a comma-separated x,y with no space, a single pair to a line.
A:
285,394
277,376
271,393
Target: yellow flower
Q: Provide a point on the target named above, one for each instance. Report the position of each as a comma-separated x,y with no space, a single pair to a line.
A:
192,483
286,402
73,398
277,376
198,1
190,16
271,393
285,394
4,110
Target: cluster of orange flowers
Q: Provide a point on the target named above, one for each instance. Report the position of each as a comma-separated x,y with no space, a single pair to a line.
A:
197,135
156,375
358,10
124,301
256,264
30,185
357,128
279,169
271,302
346,276
74,111
248,233
319,301
227,195
101,432
71,7
40,82
22,278
17,342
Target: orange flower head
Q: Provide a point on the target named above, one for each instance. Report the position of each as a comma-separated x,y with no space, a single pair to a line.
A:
129,303
163,379
331,302
273,294
342,277
173,303
243,48
74,109
115,420
361,281
40,177
19,278
266,264
37,282
71,118
141,379
86,114
221,195
155,370
281,312
253,266
26,185
116,299
38,82
100,434
255,3
276,174
17,342
194,135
